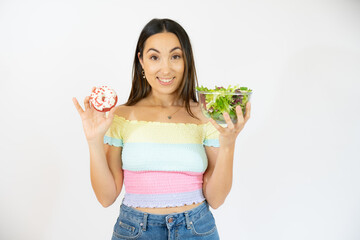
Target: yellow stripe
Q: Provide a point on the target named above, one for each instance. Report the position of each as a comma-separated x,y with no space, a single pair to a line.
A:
160,132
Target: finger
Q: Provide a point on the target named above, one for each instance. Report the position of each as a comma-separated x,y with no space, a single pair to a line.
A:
86,103
248,110
77,106
90,105
111,113
239,114
216,125
228,121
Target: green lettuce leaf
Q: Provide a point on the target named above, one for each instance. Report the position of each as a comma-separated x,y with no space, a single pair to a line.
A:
223,100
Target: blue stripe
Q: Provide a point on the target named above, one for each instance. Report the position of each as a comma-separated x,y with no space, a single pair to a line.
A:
164,157
113,141
163,200
212,142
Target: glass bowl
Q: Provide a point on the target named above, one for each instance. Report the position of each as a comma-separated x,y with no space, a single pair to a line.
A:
213,105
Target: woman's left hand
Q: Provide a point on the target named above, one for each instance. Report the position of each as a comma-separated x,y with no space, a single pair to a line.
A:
229,134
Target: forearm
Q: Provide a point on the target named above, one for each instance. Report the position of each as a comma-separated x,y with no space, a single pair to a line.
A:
102,180
220,182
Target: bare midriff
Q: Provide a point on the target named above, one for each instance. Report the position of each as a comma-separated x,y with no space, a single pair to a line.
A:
169,210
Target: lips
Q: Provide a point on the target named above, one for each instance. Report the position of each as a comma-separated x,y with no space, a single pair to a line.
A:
165,81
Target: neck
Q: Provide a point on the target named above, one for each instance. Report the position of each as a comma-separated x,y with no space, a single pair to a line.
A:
164,100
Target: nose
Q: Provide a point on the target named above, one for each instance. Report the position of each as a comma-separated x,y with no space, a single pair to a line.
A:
165,67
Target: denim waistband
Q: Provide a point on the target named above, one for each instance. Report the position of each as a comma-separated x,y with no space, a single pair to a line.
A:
144,218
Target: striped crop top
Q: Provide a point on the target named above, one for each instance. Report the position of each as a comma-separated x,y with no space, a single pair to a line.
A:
163,163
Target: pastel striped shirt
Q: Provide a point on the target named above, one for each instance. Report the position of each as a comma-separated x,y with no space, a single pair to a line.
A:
163,163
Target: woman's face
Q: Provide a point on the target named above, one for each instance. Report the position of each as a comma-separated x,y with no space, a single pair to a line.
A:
163,62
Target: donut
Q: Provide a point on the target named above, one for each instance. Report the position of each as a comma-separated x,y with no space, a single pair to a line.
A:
103,98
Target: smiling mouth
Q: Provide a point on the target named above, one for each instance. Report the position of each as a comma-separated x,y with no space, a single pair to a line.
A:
165,80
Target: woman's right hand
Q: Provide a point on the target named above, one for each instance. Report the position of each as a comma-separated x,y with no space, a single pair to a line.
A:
95,123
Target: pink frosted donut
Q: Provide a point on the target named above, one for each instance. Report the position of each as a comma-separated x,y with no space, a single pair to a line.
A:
103,98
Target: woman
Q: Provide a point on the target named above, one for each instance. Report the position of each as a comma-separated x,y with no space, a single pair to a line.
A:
173,161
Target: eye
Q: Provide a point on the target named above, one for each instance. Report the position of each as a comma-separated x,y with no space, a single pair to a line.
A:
154,58
176,56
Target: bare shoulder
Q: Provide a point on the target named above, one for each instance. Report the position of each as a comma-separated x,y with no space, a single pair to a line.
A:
146,113
196,110
123,110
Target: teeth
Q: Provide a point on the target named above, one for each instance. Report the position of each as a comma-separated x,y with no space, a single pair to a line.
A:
165,80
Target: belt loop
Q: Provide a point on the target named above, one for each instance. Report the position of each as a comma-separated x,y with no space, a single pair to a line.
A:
144,223
187,220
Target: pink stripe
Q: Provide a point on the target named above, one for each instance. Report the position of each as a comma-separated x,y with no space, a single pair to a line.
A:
159,182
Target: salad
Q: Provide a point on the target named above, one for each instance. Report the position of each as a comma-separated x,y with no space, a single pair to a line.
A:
214,102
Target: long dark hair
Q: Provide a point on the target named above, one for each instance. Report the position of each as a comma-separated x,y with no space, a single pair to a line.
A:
140,87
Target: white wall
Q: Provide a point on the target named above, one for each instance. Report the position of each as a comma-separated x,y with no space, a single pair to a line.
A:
297,162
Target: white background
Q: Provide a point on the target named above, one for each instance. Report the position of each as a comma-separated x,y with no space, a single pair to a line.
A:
296,170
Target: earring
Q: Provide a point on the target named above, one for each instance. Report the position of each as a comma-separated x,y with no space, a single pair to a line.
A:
143,73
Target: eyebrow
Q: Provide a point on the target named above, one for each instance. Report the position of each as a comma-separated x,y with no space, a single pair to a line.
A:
159,51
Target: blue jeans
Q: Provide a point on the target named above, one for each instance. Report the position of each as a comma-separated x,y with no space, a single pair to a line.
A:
197,223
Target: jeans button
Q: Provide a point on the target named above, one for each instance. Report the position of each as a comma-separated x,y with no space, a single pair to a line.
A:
170,220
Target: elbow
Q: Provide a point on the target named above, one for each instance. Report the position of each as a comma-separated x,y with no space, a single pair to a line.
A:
106,200
106,203
216,201
215,205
